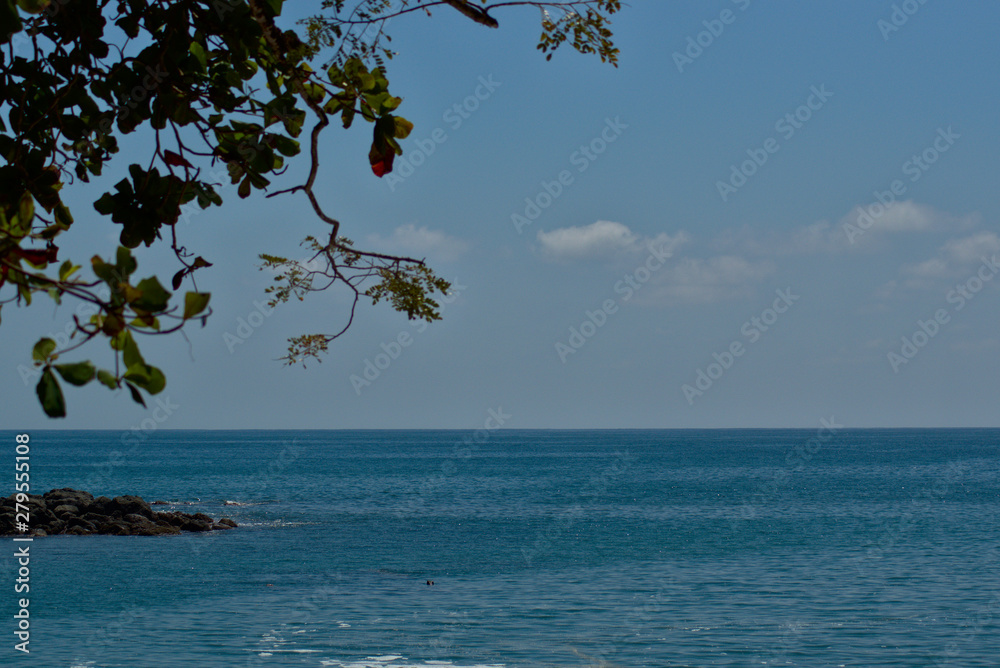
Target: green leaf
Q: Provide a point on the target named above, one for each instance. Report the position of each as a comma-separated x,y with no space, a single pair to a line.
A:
402,127
314,92
147,377
104,271
391,103
66,270
335,75
287,147
50,395
157,381
26,209
195,303
154,297
348,116
107,379
136,396
129,293
146,321
63,217
130,351
79,373
105,205
43,349
125,262
33,6
199,52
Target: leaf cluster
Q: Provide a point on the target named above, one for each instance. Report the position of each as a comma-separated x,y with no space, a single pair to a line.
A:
225,95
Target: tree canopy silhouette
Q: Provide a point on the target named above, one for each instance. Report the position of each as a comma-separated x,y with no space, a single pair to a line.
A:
218,83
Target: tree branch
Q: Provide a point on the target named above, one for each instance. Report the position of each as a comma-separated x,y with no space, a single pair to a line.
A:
477,14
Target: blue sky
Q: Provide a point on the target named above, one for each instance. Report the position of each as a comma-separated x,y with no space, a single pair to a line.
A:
797,222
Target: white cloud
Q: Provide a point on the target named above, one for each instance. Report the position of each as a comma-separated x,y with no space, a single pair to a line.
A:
815,238
886,290
602,238
710,279
818,237
860,229
420,243
972,249
906,216
679,280
932,268
954,259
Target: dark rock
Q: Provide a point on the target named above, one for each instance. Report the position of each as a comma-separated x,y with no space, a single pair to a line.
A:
121,506
138,520
159,503
113,528
81,523
74,512
34,502
41,517
100,505
55,527
172,519
192,524
69,497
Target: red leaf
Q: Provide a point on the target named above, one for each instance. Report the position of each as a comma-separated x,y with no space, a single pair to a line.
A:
175,160
37,256
381,161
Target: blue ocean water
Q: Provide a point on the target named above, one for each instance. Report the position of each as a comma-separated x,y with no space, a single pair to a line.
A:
546,548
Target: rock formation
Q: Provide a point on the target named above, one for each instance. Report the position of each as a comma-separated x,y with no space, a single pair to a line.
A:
70,511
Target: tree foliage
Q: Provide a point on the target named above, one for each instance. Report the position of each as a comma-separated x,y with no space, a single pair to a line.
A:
216,83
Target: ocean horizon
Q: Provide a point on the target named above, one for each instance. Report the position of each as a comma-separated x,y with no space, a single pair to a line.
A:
514,548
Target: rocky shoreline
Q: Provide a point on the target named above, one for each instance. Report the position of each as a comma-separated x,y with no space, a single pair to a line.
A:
74,512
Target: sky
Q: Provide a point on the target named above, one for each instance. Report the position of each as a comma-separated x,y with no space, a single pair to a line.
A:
770,214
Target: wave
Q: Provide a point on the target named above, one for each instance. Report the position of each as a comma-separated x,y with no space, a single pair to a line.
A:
276,523
198,501
399,661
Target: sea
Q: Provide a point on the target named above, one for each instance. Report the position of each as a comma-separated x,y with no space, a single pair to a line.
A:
521,548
